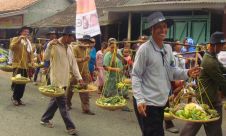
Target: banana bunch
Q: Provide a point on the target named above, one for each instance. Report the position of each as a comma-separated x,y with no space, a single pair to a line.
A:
121,85
4,52
127,81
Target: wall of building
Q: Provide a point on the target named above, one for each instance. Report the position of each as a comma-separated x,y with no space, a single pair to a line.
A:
44,9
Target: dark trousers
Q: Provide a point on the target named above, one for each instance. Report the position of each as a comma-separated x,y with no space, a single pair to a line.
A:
48,79
152,124
84,97
211,128
36,74
54,104
168,123
18,89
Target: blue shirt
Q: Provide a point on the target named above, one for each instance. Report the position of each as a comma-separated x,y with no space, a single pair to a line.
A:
92,60
152,72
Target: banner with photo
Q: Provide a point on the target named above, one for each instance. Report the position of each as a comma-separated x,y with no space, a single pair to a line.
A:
87,22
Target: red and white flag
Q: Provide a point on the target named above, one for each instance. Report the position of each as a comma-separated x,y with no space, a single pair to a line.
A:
86,19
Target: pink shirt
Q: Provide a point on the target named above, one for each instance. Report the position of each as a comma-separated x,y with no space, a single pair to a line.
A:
99,59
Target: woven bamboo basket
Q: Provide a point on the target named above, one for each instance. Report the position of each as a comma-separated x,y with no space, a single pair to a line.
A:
168,116
111,107
20,81
56,92
6,68
41,65
197,121
90,88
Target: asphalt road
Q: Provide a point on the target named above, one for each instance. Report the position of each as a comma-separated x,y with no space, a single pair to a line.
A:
24,120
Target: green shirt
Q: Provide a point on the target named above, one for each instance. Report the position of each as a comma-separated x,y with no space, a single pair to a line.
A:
111,78
212,77
107,61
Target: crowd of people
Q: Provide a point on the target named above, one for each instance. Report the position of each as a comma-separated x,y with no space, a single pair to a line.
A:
157,70
81,65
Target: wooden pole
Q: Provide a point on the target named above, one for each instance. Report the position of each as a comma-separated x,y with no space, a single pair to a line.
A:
224,21
129,26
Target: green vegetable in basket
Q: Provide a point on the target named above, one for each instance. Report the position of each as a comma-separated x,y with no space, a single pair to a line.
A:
111,101
205,106
80,86
213,113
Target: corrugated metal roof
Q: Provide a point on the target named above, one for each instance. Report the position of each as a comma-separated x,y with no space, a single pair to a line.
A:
167,5
13,5
154,2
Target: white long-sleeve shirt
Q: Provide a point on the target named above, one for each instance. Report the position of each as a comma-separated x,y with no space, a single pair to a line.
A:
62,61
152,73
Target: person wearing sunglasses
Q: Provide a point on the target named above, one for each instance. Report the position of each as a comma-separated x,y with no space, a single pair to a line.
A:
151,75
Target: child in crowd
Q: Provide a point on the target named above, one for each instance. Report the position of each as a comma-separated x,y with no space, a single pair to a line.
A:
129,62
99,67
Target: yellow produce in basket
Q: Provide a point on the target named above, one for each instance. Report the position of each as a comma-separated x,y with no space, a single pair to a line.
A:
127,81
18,79
195,113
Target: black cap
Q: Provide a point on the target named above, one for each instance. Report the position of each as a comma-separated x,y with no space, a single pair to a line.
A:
25,27
87,38
156,18
69,30
52,31
217,38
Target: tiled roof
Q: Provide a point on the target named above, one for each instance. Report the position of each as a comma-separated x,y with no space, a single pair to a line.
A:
62,19
14,5
110,3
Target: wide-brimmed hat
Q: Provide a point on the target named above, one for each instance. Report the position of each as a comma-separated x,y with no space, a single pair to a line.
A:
156,18
25,27
217,38
69,30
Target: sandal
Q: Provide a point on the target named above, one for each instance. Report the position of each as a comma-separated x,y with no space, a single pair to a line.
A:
173,130
21,103
15,102
47,124
127,109
72,132
88,112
